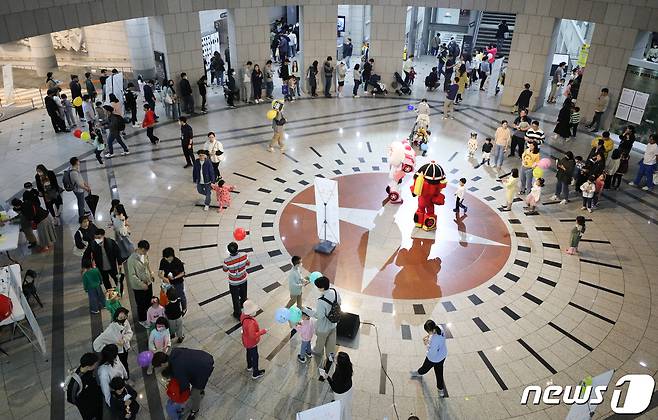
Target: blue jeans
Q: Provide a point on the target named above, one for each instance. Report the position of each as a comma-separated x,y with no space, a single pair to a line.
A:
180,290
306,349
498,155
526,179
252,360
175,410
645,171
269,89
80,196
110,143
327,86
96,299
204,189
562,186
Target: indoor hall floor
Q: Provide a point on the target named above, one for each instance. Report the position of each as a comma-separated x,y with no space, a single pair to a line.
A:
516,309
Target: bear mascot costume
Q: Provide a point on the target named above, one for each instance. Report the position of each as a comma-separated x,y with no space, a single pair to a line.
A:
429,181
401,160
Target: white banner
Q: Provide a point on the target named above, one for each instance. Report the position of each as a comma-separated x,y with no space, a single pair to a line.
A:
326,205
114,84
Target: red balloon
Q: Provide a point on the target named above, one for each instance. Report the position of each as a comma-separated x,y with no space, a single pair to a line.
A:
239,234
77,133
6,307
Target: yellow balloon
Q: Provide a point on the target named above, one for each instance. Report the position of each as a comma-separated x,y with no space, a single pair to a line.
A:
85,136
537,172
271,114
77,101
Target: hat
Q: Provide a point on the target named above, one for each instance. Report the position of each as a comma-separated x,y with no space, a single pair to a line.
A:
249,308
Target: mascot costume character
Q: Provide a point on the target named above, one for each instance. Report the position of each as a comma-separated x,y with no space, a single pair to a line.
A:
429,181
401,160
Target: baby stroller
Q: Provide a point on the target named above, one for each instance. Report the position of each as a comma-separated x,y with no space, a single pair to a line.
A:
378,87
401,88
420,133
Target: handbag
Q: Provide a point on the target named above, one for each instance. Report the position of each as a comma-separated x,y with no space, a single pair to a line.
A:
51,194
92,202
168,100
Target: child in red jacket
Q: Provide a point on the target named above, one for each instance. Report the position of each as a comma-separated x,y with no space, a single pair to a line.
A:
251,333
149,123
177,399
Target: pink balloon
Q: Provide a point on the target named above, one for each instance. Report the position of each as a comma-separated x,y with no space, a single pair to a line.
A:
544,163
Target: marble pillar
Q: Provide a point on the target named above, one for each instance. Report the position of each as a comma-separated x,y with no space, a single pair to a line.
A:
248,38
319,40
140,47
43,54
387,29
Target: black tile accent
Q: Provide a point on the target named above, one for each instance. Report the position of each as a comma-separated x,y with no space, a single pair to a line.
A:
362,160
252,203
497,188
337,172
203,225
546,281
303,182
342,149
517,200
497,290
452,157
605,289
267,224
274,253
289,190
205,270
454,171
273,286
277,179
446,331
290,157
476,178
537,356
278,200
338,161
383,375
521,263
554,246
285,340
514,221
246,250
387,307
481,325
510,313
254,268
554,263
544,228
595,241
286,268
264,190
419,309
476,300
319,175
573,220
449,307
298,172
571,336
521,234
369,147
315,151
356,169
524,248
599,316
244,176
472,189
191,248
317,165
584,260
266,165
489,198
268,238
214,298
270,211
512,277
406,332
375,168
384,160
492,370
532,298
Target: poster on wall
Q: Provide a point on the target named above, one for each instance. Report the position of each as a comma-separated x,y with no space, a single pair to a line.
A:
582,55
635,115
640,93
622,111
640,100
627,96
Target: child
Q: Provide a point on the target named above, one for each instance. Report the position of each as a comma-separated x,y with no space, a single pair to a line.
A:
472,145
623,168
288,89
99,145
89,113
578,174
251,333
101,116
174,313
149,123
535,193
223,194
574,120
177,400
68,111
459,196
112,301
599,184
159,339
123,399
91,281
306,329
154,312
576,233
486,152
588,188
511,186
412,76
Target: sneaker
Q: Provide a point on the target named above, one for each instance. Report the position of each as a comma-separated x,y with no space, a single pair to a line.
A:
645,188
181,338
415,374
301,358
109,155
205,208
258,374
589,210
553,197
126,153
95,312
309,354
269,149
442,393
583,208
465,210
249,369
563,202
356,96
631,183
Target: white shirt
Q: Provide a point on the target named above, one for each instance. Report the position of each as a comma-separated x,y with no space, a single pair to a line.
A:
212,149
461,189
650,154
293,38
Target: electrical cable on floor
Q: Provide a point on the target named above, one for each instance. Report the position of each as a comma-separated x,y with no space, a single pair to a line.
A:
383,368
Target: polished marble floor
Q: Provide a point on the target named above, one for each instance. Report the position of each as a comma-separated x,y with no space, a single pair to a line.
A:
516,309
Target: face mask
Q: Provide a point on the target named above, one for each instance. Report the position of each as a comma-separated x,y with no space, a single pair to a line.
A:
159,328
121,321
99,241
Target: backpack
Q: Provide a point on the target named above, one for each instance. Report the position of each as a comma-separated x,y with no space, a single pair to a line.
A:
67,182
73,387
334,313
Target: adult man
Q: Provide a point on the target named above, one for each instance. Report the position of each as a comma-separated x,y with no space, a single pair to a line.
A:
453,48
140,279
485,68
236,266
367,72
599,108
325,329
215,151
78,183
296,282
284,42
328,76
521,125
53,112
647,165
186,94
449,103
448,69
76,92
434,44
186,143
89,85
86,394
130,97
172,271
149,96
105,253
116,126
103,81
190,368
534,134
202,83
347,51
245,86
558,75
268,77
523,101
292,44
500,34
203,175
285,71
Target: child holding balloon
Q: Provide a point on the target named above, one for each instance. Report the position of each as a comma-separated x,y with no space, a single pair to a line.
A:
68,111
159,339
305,328
251,333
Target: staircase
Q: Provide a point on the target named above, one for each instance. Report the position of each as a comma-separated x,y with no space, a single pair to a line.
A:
488,26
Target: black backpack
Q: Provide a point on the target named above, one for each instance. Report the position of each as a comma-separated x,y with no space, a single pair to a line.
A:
73,387
334,313
67,182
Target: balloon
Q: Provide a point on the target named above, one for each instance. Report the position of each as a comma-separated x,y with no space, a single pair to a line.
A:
77,133
410,107
239,234
537,172
271,114
6,307
85,136
281,316
423,147
314,276
544,163
144,358
77,101
490,56
294,314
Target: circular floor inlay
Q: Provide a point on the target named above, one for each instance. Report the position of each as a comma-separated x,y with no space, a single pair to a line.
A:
382,254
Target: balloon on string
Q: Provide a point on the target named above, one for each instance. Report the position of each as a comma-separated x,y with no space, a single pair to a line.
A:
271,114
537,172
314,276
281,316
144,358
294,314
77,101
85,136
6,307
239,234
544,163
77,133
410,107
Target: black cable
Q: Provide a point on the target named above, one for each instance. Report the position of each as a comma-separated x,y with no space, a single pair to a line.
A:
383,368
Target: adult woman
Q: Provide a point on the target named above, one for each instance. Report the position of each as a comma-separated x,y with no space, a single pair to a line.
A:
122,232
117,108
311,75
562,128
463,80
294,71
564,175
341,72
529,160
50,82
357,80
502,138
169,99
341,384
118,333
627,139
435,356
257,83
46,235
50,191
215,152
110,367
84,236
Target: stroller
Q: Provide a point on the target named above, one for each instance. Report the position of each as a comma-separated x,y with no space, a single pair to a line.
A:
420,133
378,87
401,88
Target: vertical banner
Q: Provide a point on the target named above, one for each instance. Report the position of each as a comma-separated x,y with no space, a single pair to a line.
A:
8,83
114,85
582,55
326,204
493,77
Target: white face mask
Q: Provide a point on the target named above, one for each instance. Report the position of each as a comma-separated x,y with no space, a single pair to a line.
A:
99,241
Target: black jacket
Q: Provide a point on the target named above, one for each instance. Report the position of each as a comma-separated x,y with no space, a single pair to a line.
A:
118,404
90,399
231,83
523,101
202,87
53,182
565,175
367,70
186,134
76,89
347,49
115,124
94,252
191,367
131,98
84,237
185,88
148,94
51,106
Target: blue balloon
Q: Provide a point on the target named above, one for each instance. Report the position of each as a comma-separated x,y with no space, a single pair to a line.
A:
281,316
314,276
410,107
423,147
294,314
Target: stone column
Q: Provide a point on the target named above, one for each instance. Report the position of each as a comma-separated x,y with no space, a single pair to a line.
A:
609,53
530,58
248,38
387,30
318,31
140,47
43,54
411,38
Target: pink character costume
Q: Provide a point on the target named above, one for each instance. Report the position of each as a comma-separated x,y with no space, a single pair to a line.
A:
401,161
